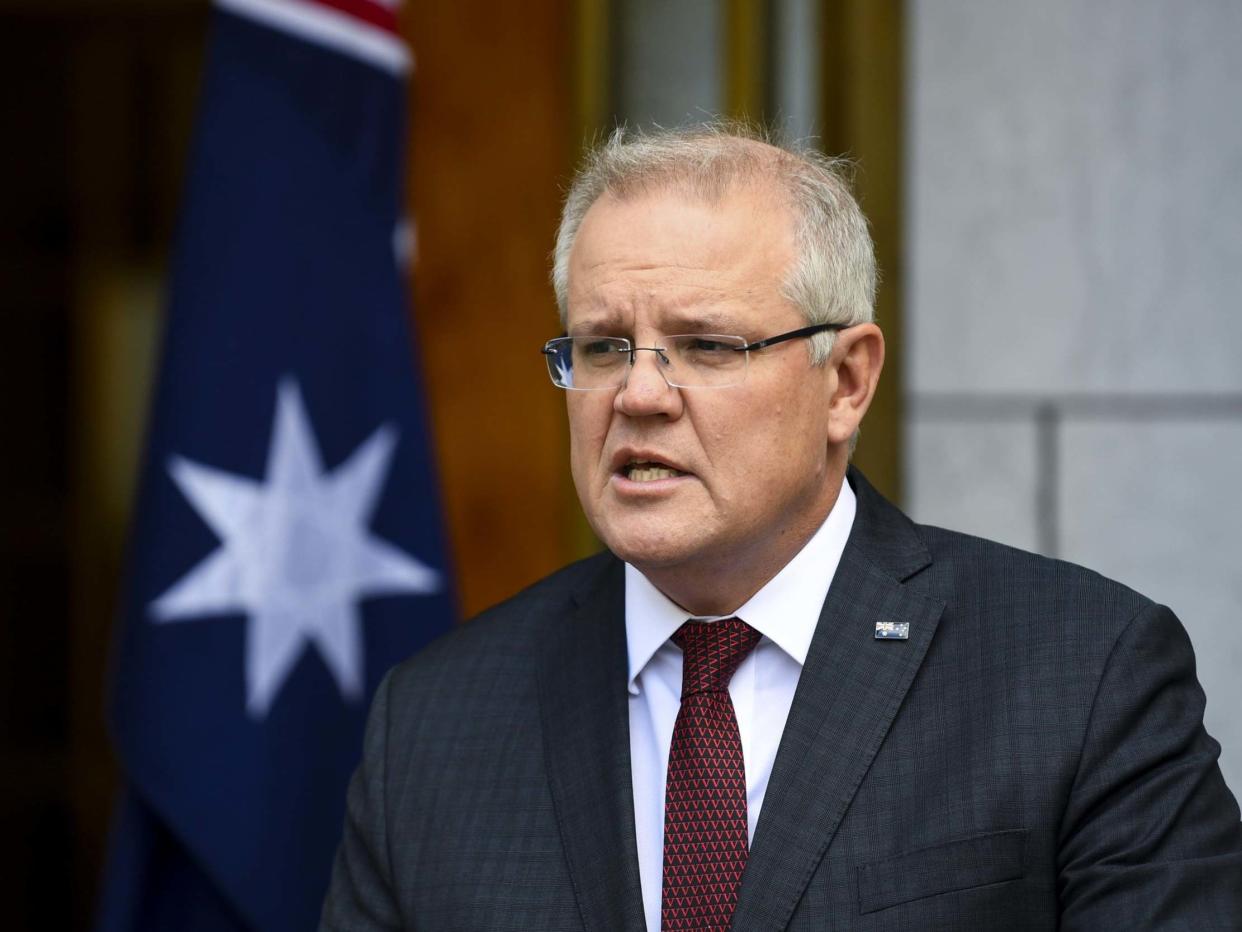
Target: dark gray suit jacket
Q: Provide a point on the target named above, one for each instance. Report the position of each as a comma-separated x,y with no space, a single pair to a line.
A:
1033,757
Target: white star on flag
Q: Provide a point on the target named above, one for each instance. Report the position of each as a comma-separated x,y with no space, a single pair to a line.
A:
296,554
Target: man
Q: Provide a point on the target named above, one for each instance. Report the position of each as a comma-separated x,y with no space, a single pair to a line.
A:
774,702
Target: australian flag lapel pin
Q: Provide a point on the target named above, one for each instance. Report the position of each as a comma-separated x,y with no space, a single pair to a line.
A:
892,630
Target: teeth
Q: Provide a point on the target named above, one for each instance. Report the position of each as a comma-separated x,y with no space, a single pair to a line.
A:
651,473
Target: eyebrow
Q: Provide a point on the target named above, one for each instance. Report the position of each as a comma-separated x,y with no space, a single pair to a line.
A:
708,322
672,322
602,326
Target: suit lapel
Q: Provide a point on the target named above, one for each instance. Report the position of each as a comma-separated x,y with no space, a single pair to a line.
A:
585,717
850,690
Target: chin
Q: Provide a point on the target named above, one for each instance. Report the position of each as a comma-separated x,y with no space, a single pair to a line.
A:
643,548
658,551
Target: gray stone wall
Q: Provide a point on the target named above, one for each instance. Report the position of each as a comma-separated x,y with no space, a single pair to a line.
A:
1074,258
669,64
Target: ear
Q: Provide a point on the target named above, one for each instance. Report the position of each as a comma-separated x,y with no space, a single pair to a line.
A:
857,358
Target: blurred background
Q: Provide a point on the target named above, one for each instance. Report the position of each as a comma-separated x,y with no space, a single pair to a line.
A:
1055,190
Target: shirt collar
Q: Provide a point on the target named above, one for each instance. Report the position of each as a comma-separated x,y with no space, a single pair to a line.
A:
785,611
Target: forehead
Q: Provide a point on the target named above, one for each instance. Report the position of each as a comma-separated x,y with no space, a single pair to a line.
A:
679,256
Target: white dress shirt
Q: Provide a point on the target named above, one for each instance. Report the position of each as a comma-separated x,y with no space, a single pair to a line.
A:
785,612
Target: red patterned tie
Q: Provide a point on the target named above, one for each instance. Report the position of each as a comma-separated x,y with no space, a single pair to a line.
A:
705,799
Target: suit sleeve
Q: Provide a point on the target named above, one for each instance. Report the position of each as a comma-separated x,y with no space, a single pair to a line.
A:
1150,838
360,895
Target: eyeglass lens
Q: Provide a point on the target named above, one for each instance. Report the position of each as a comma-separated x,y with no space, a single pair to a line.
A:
686,360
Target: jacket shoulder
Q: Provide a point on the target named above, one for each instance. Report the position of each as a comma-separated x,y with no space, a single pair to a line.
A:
1014,588
505,638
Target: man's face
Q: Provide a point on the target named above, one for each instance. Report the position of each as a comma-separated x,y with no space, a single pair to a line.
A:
751,474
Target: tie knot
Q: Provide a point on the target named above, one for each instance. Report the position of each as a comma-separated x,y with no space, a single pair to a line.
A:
712,651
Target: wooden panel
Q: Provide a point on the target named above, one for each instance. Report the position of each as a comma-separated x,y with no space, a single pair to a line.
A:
593,59
746,68
492,119
133,76
862,80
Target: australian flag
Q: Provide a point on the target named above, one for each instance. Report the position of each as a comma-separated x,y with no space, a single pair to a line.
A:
287,546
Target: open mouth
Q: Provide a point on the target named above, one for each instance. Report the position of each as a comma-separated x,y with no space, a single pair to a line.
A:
647,471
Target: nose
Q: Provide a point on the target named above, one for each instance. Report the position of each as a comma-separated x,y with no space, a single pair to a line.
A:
645,390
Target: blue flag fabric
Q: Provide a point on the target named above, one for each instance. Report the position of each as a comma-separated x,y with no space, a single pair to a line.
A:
287,545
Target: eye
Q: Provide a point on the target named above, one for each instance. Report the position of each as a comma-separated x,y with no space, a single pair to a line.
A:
590,347
601,352
708,345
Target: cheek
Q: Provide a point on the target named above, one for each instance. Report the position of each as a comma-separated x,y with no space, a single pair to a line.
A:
744,446
790,435
588,429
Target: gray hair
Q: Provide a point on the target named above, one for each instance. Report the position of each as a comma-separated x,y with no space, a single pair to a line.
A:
832,280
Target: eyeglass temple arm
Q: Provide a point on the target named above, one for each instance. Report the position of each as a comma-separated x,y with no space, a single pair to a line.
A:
792,335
